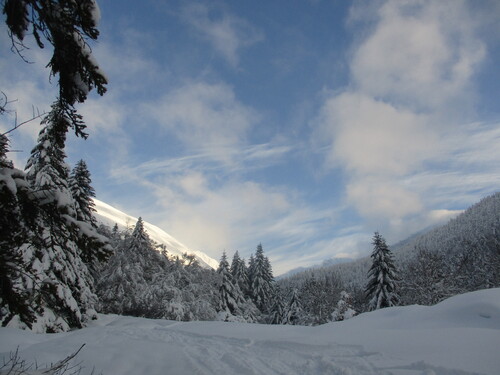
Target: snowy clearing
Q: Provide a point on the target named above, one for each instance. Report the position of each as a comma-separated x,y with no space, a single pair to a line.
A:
458,336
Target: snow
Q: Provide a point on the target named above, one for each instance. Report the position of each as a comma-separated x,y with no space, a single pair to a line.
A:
109,215
95,12
459,336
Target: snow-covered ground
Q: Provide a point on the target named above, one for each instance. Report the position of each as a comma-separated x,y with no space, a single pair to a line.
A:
458,336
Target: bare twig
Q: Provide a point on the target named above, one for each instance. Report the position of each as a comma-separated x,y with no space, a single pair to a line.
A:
16,126
14,365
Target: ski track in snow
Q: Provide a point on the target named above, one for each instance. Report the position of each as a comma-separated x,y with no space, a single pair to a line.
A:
164,347
459,336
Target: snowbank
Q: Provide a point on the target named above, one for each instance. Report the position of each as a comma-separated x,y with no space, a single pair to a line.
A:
458,336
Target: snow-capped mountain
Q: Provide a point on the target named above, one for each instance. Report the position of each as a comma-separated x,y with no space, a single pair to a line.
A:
109,215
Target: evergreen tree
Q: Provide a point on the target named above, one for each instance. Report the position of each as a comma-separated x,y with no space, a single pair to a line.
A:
47,171
123,286
240,273
262,279
230,294
294,312
52,277
83,192
95,248
140,280
70,290
344,309
17,224
251,272
381,287
67,26
278,308
46,271
425,282
316,297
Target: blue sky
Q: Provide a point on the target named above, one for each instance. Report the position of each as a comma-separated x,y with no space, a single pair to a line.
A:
304,125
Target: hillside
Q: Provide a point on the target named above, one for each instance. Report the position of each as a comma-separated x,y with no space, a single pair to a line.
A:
459,336
466,254
109,215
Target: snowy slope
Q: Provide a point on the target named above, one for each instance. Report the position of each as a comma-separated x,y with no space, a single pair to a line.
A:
460,336
110,215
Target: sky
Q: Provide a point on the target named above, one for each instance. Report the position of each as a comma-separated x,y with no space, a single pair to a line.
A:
302,125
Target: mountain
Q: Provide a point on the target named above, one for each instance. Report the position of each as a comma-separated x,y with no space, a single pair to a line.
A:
325,263
468,244
109,215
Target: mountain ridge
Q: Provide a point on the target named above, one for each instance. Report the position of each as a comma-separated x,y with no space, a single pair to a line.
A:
109,215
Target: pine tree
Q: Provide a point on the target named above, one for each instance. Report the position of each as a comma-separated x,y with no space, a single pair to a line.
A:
278,308
344,309
52,277
124,284
67,26
240,273
17,224
381,287
262,279
83,192
47,171
294,312
95,248
62,275
316,298
230,294
49,274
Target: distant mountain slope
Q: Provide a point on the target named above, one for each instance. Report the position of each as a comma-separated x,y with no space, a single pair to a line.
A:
109,215
325,263
477,229
479,225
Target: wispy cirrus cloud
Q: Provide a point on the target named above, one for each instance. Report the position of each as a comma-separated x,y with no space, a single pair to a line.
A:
204,116
227,33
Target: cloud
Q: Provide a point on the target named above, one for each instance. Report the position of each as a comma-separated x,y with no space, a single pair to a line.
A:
397,131
369,136
227,33
420,54
218,208
204,116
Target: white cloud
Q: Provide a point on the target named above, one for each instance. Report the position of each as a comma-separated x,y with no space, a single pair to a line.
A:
395,132
205,116
376,198
227,33
214,209
421,53
373,137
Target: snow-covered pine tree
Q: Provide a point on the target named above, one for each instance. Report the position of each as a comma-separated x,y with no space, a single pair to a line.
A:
230,294
316,297
294,313
124,283
278,308
425,281
261,286
382,283
344,309
240,273
52,269
67,26
95,248
63,279
268,272
250,272
81,188
17,225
